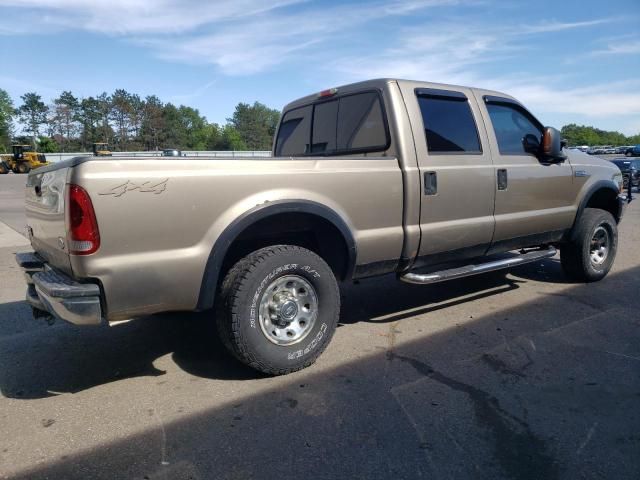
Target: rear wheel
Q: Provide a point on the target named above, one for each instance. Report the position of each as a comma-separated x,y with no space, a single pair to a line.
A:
278,308
590,256
3,169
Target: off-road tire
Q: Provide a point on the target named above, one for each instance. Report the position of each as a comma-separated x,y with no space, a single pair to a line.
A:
238,313
575,257
3,169
23,168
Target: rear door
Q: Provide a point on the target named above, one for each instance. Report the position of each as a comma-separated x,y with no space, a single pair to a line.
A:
534,202
457,174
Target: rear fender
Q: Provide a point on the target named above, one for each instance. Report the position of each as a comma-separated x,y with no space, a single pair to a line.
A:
225,240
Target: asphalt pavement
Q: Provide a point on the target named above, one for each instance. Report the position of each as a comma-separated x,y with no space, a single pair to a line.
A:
11,201
518,375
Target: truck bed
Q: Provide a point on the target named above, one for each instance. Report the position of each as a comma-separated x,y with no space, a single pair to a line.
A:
158,218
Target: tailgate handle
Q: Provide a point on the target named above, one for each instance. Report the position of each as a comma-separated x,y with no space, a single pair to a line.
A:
430,183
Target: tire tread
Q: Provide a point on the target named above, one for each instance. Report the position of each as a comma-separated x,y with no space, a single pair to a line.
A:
228,307
572,257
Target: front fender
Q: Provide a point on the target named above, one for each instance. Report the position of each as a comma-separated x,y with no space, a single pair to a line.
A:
587,194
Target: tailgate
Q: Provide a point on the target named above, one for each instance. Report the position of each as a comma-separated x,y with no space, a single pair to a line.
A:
44,205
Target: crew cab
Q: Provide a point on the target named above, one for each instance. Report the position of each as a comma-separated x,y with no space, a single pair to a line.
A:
426,181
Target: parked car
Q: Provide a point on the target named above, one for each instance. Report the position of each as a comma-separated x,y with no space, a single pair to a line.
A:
622,149
171,152
633,151
630,170
602,150
427,181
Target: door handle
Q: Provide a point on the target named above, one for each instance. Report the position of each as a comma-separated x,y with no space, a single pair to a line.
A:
503,180
430,183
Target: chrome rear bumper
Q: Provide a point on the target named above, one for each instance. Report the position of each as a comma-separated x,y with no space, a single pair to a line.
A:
52,291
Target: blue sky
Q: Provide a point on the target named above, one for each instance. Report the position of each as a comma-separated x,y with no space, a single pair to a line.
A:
568,61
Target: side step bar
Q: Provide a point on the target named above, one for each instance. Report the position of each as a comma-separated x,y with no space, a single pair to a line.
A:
468,270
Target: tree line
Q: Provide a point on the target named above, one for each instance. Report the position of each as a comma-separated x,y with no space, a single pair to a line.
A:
584,135
128,122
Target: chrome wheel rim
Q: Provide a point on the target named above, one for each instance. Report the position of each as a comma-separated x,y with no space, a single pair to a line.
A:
600,245
288,310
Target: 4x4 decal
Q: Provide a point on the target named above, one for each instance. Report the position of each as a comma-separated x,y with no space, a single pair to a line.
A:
150,186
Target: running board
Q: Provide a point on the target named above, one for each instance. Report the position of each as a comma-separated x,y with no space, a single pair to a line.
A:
468,270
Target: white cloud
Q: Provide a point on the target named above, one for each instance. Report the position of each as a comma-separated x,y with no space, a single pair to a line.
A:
188,97
595,101
261,42
445,53
241,37
548,27
618,48
246,37
141,17
127,17
452,53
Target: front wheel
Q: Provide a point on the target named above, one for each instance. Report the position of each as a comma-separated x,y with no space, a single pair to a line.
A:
278,308
23,168
590,256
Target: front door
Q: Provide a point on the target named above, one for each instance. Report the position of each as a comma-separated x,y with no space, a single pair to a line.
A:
534,201
456,171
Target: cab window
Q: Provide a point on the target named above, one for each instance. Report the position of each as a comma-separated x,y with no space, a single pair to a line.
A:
511,123
293,134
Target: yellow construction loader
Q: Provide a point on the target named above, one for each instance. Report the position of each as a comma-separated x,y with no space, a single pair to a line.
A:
23,160
101,150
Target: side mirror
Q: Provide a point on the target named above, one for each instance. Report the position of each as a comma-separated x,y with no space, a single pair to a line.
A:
531,144
552,146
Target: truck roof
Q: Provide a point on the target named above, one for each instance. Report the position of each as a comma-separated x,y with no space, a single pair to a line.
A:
381,82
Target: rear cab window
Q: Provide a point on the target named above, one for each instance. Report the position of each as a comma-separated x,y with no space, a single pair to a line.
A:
294,131
346,125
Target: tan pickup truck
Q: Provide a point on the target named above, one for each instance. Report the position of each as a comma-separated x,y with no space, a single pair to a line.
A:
426,181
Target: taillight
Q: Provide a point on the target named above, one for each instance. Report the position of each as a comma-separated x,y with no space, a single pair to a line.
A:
83,235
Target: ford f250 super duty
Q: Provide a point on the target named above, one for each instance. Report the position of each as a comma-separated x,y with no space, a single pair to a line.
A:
426,181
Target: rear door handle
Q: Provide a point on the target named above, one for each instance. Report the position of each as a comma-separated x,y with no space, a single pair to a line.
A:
430,183
503,180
